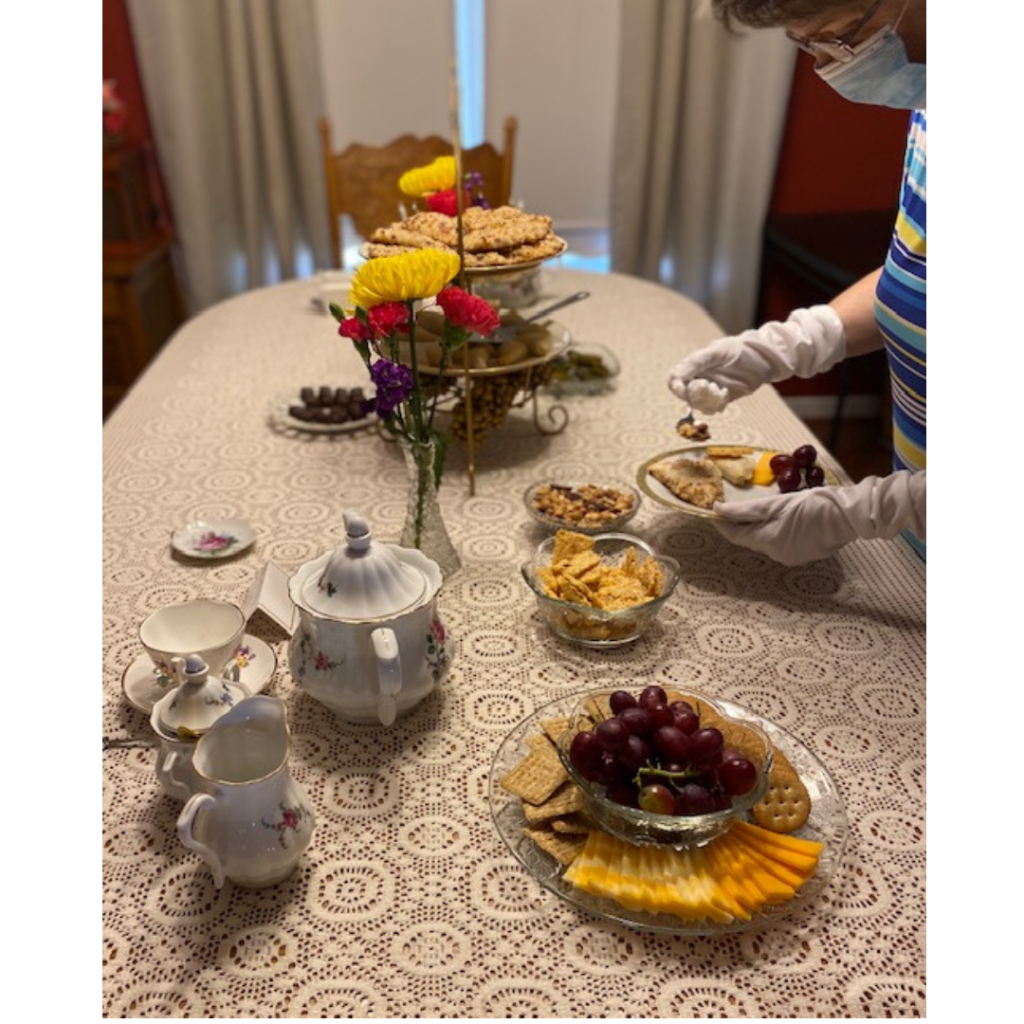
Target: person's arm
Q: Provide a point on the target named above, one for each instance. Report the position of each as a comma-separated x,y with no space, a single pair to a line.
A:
856,309
806,525
809,342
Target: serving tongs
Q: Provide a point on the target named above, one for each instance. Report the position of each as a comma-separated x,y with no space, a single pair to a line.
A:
509,331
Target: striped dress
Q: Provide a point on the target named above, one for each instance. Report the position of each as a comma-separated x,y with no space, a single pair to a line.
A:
900,303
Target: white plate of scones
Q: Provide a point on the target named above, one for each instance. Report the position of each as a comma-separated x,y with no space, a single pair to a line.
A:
692,479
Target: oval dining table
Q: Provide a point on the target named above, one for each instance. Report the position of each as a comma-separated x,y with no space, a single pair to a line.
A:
408,902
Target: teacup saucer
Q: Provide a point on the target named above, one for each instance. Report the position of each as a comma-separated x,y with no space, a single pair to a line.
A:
144,685
213,538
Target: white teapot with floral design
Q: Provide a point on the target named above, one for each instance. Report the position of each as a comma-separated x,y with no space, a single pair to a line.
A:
370,643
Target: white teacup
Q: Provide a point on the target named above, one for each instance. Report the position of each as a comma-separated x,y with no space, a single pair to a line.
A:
211,629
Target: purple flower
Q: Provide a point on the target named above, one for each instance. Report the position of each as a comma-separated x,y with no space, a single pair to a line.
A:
393,383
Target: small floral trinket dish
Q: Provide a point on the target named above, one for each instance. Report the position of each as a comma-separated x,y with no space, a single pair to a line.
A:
213,538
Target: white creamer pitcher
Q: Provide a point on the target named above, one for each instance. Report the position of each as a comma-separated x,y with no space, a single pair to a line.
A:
254,821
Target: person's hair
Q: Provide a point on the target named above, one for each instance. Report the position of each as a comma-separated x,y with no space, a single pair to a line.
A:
769,13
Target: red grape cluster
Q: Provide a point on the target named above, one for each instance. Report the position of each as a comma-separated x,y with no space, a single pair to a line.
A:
655,756
799,470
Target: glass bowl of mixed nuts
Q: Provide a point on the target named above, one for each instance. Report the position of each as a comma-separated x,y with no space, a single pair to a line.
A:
590,507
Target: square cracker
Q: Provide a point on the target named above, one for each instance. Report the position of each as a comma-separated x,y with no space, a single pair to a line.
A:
572,825
536,777
625,593
728,451
650,575
567,544
582,562
567,799
554,727
564,848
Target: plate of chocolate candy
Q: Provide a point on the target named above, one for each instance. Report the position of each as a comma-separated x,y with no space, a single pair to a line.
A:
324,409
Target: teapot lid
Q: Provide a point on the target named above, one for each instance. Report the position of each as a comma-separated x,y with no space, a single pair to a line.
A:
363,579
197,702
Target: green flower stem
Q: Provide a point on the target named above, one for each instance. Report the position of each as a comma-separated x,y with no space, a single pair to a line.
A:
416,398
422,454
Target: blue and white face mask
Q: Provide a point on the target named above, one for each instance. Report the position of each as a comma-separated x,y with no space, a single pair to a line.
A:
880,73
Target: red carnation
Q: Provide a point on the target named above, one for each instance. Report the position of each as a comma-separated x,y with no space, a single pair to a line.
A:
443,202
355,329
388,317
468,311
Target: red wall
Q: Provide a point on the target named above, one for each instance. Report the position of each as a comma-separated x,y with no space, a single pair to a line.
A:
836,155
119,64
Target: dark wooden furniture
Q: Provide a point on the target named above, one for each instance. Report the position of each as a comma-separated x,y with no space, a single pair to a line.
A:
142,302
362,181
810,258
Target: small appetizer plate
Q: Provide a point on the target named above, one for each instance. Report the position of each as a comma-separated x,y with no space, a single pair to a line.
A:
213,538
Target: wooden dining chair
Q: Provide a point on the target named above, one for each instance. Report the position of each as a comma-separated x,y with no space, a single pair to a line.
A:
362,181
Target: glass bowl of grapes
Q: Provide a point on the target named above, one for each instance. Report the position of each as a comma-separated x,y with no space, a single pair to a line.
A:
663,766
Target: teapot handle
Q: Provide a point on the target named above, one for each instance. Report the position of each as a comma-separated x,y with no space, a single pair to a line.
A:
186,822
389,673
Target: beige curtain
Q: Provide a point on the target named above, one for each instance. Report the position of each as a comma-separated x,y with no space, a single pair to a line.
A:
698,126
233,90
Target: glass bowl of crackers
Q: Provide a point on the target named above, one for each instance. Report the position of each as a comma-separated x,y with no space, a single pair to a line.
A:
593,506
599,590
681,782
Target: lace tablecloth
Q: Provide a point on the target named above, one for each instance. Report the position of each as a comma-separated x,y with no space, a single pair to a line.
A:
407,903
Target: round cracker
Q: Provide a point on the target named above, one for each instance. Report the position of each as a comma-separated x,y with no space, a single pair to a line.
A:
787,804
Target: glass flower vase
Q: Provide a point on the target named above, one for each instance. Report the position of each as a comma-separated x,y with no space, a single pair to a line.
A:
424,527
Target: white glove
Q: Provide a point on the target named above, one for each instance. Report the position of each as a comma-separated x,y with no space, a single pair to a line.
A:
810,342
805,525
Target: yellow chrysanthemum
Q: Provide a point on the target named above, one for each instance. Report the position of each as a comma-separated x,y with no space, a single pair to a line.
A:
409,275
435,177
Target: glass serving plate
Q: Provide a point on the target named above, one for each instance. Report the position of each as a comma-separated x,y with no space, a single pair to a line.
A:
827,825
573,367
560,341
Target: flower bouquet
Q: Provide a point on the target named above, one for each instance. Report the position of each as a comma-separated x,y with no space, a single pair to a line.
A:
385,296
435,185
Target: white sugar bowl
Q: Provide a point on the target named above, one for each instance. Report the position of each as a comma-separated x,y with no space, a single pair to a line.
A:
370,643
184,714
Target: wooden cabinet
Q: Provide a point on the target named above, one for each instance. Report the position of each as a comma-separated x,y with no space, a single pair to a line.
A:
142,308
142,303
811,258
